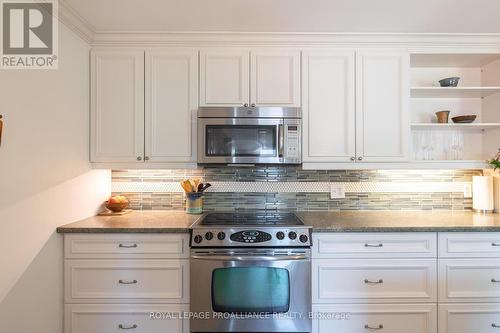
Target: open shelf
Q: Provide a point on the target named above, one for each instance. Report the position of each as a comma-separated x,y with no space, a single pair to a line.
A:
453,126
453,92
450,60
450,164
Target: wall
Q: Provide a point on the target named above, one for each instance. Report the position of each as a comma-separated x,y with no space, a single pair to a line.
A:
45,181
291,188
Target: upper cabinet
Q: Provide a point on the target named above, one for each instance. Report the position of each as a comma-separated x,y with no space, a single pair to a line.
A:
240,77
355,106
143,106
171,105
117,105
382,113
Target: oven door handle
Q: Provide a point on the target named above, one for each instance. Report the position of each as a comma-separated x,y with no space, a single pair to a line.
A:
250,258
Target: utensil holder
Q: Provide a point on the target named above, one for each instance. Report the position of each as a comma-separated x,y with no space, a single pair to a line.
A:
194,203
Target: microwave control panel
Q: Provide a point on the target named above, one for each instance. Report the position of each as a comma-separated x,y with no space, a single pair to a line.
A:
292,144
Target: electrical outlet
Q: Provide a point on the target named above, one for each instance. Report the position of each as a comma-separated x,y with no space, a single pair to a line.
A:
337,191
468,191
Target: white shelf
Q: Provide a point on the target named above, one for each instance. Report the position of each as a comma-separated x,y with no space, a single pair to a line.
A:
453,126
450,164
453,92
452,60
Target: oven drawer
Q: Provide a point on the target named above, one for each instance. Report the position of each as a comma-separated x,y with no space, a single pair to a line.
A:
469,280
469,318
374,245
131,246
407,318
126,281
467,245
374,280
104,318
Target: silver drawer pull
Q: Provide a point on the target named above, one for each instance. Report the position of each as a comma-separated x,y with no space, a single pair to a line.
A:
495,244
127,327
127,282
495,280
127,246
379,327
374,245
374,282
495,325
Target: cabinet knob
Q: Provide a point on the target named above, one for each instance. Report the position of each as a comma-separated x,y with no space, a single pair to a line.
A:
123,327
146,158
253,105
360,158
139,158
245,105
353,158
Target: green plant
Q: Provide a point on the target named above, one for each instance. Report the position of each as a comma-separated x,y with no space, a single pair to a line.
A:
495,162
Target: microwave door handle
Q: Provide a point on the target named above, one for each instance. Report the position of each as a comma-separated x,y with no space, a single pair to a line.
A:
281,140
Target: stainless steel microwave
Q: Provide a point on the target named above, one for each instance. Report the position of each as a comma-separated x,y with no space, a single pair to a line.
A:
249,135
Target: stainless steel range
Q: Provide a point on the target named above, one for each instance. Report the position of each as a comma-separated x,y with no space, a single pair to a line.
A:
250,272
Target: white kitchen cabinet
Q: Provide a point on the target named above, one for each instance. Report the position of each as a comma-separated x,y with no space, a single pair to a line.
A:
275,78
382,112
362,318
105,318
224,77
117,105
171,104
244,77
328,97
469,318
469,245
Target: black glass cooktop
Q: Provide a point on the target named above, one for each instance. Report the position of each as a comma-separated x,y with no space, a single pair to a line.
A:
251,218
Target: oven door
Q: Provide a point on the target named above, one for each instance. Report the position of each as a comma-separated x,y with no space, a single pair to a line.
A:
251,290
240,140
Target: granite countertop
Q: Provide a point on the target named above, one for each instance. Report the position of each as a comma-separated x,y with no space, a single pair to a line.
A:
344,221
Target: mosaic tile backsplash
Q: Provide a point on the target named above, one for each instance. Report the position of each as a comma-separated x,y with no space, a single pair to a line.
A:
439,190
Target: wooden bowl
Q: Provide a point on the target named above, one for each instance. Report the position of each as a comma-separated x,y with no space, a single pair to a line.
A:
116,207
464,119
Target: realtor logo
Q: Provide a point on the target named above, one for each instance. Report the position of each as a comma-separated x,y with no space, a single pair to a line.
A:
29,34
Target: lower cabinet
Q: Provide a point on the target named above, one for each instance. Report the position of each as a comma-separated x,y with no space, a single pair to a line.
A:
469,318
387,318
106,318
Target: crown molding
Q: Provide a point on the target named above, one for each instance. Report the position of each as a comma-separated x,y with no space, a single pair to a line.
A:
416,41
72,20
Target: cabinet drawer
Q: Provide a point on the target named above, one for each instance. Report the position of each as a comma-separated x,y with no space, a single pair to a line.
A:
95,246
469,280
466,245
374,245
408,318
102,318
374,280
122,281
469,318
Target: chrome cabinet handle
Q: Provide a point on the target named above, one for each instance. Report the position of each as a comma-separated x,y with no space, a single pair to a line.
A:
139,158
127,246
495,325
495,244
245,105
353,158
127,282
127,327
374,282
281,141
360,158
379,327
146,158
495,281
253,105
374,245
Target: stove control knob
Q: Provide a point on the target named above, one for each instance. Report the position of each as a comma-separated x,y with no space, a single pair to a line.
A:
209,235
198,239
280,235
221,236
292,235
303,238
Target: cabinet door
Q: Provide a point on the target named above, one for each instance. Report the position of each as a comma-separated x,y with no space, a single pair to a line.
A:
275,78
328,96
171,104
382,120
117,105
224,77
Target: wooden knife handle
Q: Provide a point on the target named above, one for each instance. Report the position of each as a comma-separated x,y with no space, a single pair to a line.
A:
1,127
